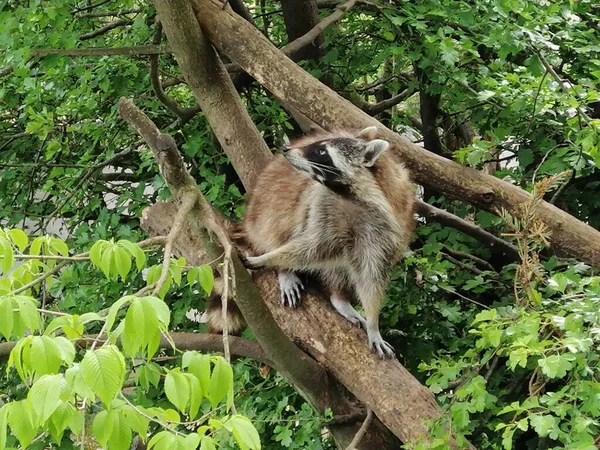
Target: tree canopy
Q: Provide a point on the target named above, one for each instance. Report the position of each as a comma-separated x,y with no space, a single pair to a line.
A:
494,310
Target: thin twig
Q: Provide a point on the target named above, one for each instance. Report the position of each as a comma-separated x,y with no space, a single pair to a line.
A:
362,431
109,26
561,83
188,201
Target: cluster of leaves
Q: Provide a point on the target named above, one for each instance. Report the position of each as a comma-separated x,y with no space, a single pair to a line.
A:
63,386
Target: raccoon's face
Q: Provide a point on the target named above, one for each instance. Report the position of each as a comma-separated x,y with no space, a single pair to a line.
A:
337,161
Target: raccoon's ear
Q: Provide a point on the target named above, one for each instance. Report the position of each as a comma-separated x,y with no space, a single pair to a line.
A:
373,151
368,134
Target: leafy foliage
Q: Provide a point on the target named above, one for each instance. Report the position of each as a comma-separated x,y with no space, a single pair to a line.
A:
509,347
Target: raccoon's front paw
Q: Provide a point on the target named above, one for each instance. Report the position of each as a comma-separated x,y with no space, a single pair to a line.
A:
380,347
291,288
254,262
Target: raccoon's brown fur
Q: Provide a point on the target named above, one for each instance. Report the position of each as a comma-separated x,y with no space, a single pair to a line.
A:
378,204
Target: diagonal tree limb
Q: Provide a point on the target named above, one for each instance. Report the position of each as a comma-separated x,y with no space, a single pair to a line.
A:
283,352
292,84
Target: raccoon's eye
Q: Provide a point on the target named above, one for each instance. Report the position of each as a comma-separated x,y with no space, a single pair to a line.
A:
321,152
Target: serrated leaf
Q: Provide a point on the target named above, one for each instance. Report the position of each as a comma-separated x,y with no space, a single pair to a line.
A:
162,441
195,395
7,257
36,246
3,425
177,389
66,348
122,262
114,309
221,381
107,262
26,317
208,443
244,432
544,425
19,238
102,427
104,371
44,397
61,419
191,441
96,253
74,379
6,316
19,420
135,251
199,366
141,327
136,421
555,366
58,247
44,355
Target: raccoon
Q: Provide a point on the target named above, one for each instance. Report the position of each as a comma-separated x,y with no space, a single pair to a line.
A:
338,206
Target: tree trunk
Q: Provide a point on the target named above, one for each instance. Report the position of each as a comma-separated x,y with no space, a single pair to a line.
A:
299,17
292,84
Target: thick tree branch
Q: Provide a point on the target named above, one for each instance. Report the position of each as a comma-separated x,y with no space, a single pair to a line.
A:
183,341
300,17
292,84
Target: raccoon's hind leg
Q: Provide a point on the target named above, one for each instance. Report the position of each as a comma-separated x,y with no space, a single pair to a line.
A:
291,288
347,311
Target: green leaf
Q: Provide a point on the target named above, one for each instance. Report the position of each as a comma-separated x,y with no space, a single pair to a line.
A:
19,238
102,427
19,420
62,418
177,389
7,257
206,278
163,440
3,424
135,251
208,443
141,328
221,381
122,262
44,397
555,366
199,366
6,316
104,371
114,309
545,425
44,355
244,432
191,441
96,253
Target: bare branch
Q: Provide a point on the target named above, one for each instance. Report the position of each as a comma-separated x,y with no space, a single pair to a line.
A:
561,83
106,28
104,51
445,218
188,201
184,341
362,431
297,45
184,114
373,109
117,13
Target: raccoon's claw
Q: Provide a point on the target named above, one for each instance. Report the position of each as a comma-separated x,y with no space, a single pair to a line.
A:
381,348
291,289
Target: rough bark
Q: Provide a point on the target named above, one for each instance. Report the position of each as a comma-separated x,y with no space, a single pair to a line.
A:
209,81
292,84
